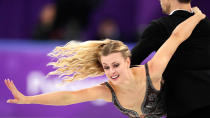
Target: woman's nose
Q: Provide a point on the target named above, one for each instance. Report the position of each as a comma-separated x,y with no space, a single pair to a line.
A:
112,70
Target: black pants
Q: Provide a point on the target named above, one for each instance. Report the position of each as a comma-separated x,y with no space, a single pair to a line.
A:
203,112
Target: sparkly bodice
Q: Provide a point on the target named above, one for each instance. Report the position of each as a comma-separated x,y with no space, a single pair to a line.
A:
152,105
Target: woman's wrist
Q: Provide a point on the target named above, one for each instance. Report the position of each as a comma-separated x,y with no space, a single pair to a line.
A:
28,99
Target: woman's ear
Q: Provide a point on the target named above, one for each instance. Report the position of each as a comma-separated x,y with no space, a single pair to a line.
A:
128,60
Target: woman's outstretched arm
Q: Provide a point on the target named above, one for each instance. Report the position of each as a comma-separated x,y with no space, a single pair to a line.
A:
59,98
182,32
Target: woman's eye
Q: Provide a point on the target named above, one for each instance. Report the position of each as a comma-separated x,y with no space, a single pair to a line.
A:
106,68
116,65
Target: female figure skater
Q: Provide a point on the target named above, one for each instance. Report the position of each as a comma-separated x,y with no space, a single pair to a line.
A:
134,90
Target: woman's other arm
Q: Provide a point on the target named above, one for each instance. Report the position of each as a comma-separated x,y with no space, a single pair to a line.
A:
160,60
59,98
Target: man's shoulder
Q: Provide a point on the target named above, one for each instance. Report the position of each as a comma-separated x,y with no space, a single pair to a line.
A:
166,23
161,18
165,20
159,23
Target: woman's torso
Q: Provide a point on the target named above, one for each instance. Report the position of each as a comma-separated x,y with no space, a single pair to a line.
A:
140,102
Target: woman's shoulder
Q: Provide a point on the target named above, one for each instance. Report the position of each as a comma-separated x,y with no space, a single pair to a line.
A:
103,88
138,70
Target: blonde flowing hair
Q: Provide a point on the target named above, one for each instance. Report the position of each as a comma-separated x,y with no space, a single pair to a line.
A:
79,60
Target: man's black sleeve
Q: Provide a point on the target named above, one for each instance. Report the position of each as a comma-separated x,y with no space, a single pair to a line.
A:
151,40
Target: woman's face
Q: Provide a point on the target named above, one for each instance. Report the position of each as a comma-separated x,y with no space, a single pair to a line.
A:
115,67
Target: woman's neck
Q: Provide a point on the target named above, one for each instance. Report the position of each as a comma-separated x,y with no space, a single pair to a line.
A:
131,83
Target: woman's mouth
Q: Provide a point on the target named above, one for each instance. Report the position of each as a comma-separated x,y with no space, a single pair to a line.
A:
115,77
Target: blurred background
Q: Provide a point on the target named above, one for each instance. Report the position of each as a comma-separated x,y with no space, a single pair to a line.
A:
30,29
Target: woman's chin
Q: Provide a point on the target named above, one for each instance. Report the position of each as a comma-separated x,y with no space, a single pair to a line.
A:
115,80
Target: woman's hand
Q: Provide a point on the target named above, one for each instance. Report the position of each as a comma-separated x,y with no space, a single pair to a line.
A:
198,12
19,98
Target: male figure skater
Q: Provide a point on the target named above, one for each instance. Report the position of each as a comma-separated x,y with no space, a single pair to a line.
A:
187,76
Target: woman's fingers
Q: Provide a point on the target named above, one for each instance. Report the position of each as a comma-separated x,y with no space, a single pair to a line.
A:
11,87
7,84
197,11
18,97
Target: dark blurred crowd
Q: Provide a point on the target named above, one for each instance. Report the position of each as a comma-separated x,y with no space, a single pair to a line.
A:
68,20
